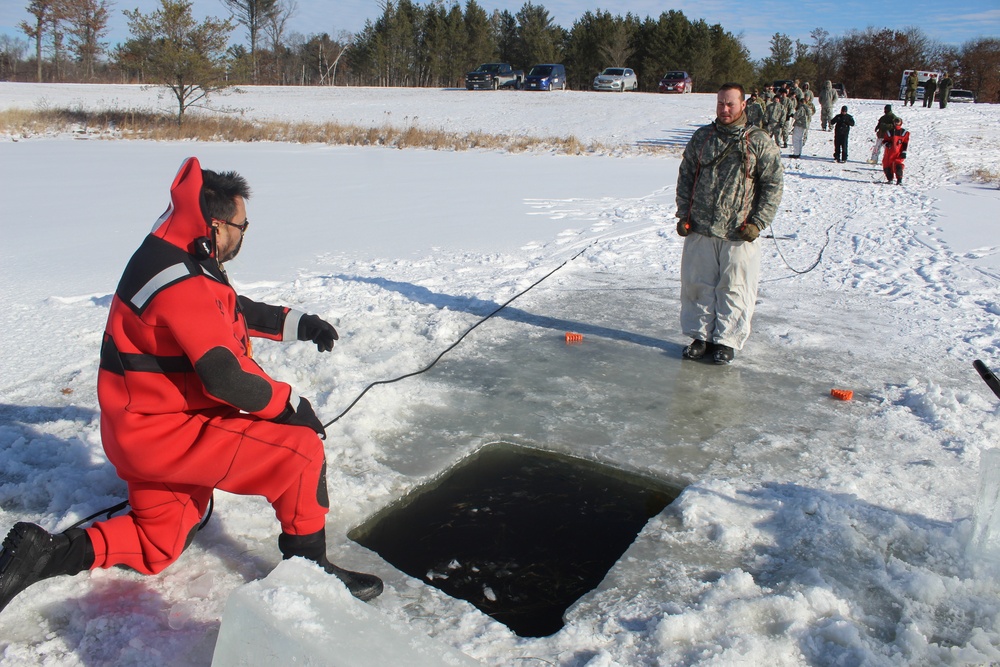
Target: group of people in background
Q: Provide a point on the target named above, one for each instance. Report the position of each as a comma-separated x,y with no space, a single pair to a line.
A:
931,87
787,110
783,112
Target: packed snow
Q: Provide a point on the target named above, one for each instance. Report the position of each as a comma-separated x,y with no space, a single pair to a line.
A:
811,531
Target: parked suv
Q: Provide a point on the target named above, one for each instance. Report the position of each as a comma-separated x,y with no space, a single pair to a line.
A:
960,95
546,77
494,75
618,79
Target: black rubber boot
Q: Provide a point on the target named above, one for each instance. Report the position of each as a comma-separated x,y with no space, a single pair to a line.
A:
31,554
696,350
312,547
724,354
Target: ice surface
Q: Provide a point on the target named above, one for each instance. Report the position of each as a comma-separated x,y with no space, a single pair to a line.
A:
300,615
812,531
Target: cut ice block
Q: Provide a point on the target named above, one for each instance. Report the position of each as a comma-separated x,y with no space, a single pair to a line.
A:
985,542
299,615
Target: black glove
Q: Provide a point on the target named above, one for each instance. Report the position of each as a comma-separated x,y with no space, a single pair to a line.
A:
748,231
683,227
319,331
301,414
903,155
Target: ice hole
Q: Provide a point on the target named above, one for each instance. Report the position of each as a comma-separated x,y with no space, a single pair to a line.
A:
519,532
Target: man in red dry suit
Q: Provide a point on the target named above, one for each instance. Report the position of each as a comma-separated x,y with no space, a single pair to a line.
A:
186,410
895,141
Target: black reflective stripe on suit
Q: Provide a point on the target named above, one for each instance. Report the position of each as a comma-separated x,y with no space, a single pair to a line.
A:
117,362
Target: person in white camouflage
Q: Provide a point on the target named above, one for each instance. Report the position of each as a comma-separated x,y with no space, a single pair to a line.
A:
827,99
729,188
800,129
791,104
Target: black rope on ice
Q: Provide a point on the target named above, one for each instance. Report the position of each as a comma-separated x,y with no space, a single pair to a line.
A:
819,258
460,338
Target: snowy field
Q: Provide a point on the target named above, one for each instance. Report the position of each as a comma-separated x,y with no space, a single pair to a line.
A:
810,532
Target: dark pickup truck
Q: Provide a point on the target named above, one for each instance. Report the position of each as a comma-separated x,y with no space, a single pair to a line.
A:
494,75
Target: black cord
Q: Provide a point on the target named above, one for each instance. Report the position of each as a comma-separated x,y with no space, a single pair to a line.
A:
108,511
459,340
819,258
115,509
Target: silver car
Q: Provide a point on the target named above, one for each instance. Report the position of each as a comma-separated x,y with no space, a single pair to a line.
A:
618,79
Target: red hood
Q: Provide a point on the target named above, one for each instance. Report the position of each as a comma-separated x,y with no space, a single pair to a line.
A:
184,220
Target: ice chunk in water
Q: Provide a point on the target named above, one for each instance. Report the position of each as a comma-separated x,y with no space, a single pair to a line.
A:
298,614
985,542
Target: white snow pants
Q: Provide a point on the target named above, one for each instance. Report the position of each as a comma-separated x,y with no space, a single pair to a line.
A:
798,140
718,289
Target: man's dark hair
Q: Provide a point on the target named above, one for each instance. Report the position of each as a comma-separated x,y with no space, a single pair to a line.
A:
734,86
219,191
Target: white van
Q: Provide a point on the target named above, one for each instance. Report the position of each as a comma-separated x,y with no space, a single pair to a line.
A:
922,77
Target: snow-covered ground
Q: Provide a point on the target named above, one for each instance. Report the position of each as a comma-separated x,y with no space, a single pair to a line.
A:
810,532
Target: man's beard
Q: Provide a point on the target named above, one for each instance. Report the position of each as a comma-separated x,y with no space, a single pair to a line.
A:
232,253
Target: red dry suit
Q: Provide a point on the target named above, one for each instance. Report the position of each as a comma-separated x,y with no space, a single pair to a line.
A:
184,408
895,140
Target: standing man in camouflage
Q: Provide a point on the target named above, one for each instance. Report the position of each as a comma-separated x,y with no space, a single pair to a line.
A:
827,98
728,191
911,89
944,91
774,118
755,111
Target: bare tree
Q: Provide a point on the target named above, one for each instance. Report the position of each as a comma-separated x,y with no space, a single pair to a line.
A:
251,14
618,47
274,24
980,67
12,52
43,12
87,22
344,41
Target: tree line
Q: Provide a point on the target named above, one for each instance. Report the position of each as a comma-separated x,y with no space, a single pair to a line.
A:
434,44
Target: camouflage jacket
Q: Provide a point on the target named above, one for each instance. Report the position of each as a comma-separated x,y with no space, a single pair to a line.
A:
885,123
730,174
755,114
791,104
802,116
775,114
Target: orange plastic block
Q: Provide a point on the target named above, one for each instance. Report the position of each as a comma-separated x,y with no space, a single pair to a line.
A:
573,337
842,394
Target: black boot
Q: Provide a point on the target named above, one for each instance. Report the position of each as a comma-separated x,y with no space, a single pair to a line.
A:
696,350
312,547
724,354
31,554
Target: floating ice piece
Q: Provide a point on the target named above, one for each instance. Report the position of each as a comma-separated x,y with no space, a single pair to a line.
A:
985,542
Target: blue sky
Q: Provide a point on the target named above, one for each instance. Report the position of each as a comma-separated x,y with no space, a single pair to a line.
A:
755,20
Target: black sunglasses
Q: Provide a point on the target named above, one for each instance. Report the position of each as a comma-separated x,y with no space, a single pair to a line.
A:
242,228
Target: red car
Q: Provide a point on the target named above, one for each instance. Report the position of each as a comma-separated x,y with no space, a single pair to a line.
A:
676,82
